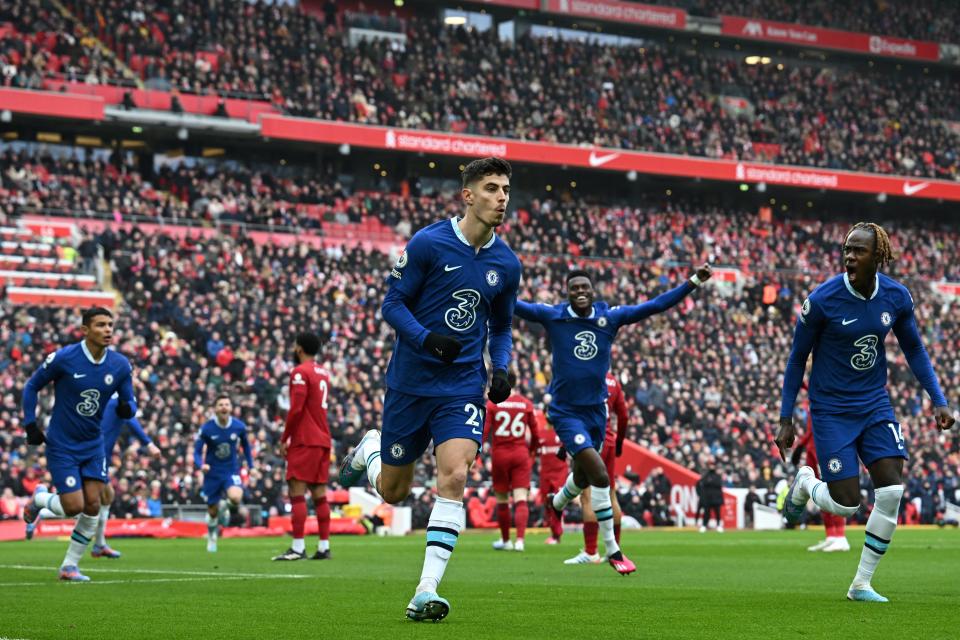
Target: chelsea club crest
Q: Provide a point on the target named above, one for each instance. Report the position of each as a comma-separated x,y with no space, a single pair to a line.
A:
885,318
493,278
108,379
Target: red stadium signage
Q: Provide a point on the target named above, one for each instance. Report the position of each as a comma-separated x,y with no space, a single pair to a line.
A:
44,103
406,140
800,34
624,12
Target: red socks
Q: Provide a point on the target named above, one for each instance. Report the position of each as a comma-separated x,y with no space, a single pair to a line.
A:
323,518
590,530
503,519
298,509
521,513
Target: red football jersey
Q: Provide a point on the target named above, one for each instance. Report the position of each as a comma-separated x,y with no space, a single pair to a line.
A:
307,419
616,406
549,446
509,422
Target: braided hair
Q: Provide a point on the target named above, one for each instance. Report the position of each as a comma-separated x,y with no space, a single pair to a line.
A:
884,251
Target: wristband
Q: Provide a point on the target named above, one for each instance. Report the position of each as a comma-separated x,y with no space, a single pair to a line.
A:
695,280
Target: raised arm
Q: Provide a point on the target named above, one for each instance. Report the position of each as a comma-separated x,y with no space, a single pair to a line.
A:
629,314
530,311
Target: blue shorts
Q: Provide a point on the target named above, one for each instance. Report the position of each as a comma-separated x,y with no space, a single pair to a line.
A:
69,470
215,486
579,428
842,438
410,422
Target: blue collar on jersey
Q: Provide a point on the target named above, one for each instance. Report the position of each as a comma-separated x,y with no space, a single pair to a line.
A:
463,239
86,352
574,314
876,287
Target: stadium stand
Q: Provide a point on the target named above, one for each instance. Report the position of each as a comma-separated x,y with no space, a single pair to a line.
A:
679,99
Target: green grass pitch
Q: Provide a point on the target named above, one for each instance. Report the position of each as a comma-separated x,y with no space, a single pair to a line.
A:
688,585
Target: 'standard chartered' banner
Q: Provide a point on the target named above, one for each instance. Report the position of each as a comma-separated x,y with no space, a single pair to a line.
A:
623,12
418,141
819,37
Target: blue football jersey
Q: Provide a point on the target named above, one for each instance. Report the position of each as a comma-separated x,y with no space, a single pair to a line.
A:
112,425
221,444
442,284
846,333
83,388
581,346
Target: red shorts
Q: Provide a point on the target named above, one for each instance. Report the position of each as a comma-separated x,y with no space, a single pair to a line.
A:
308,464
511,469
551,483
609,457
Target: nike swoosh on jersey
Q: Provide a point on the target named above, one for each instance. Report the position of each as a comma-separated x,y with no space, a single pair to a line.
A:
77,376
845,322
476,432
447,267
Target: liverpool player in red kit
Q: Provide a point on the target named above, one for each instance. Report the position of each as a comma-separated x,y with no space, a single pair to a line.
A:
553,473
512,427
305,444
612,448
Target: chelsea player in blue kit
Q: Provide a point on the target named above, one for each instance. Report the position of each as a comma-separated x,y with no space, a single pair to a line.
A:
111,426
844,322
455,283
221,435
85,375
581,335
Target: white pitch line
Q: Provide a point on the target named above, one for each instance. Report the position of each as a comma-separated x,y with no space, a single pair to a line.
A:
49,582
215,574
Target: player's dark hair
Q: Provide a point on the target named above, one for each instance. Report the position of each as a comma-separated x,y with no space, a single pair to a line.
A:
512,378
485,167
578,273
884,250
93,312
309,342
222,396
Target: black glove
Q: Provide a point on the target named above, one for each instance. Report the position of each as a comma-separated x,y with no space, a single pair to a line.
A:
444,347
124,410
619,450
34,434
499,387
562,453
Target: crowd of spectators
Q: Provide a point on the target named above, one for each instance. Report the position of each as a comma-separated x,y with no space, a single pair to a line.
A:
202,316
676,228
920,20
660,97
112,185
